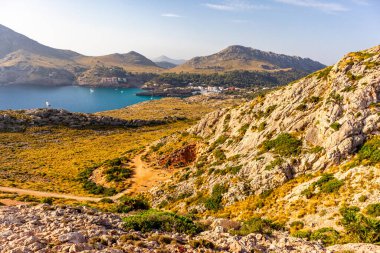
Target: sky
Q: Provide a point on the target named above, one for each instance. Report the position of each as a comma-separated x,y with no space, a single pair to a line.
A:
319,29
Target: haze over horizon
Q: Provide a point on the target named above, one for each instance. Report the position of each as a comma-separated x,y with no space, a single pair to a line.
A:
317,29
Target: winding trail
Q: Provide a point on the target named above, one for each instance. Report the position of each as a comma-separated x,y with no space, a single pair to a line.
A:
144,178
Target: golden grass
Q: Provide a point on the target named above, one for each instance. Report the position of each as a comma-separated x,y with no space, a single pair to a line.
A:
50,158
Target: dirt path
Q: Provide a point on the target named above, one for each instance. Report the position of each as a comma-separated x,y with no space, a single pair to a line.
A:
144,178
47,194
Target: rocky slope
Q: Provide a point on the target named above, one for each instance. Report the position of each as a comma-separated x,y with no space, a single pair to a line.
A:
246,58
279,144
15,121
45,228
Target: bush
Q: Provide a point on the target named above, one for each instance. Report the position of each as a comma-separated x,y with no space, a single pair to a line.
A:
302,234
163,221
285,144
276,162
301,107
202,243
328,236
127,204
215,201
359,227
336,126
373,209
219,155
258,225
118,174
328,183
48,201
370,151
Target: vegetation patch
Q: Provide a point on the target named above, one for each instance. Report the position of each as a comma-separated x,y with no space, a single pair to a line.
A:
214,202
92,187
369,153
336,126
127,204
151,220
284,144
373,210
328,236
258,225
360,228
326,184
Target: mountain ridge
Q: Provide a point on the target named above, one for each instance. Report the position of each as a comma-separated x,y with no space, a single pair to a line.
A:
238,57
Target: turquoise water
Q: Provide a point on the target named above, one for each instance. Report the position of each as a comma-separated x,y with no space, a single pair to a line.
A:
72,98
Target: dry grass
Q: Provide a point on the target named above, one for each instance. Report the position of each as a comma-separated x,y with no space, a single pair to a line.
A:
50,158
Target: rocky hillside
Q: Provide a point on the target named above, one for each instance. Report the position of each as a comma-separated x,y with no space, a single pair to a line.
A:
307,148
25,61
246,58
39,229
16,121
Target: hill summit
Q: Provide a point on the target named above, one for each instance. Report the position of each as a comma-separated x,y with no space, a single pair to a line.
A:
245,58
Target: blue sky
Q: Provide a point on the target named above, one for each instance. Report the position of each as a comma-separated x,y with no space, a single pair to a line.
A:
320,29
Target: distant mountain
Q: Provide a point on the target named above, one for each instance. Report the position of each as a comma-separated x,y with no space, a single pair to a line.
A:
165,64
25,61
164,58
246,58
10,41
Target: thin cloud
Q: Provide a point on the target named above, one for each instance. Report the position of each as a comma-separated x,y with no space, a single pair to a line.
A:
170,15
316,4
235,5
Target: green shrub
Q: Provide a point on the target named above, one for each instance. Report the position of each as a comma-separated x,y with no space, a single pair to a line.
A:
328,183
218,142
202,243
359,227
243,129
276,162
301,107
328,236
370,151
257,225
106,200
262,126
127,204
335,97
219,154
48,201
214,202
269,110
151,220
118,174
285,145
373,209
324,73
336,126
363,198
297,225
302,234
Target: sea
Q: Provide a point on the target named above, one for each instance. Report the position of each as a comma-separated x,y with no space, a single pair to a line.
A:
71,98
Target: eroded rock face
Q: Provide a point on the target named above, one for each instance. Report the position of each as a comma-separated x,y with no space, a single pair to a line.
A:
180,157
332,112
